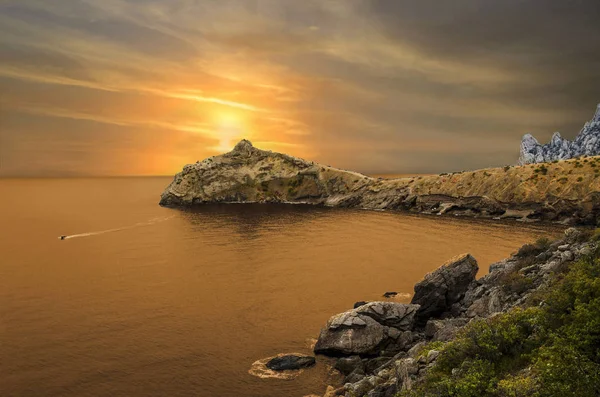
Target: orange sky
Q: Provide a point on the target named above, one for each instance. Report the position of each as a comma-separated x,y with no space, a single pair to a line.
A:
142,87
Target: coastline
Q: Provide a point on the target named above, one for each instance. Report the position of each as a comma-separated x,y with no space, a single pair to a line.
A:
566,192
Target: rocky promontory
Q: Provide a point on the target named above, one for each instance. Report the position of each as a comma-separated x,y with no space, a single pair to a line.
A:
587,143
566,191
460,336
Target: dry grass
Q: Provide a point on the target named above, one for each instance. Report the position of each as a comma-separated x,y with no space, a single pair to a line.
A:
569,179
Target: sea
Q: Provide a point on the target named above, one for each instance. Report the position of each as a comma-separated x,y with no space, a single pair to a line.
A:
141,300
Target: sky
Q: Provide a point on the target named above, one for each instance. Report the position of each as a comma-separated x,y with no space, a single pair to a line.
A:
143,87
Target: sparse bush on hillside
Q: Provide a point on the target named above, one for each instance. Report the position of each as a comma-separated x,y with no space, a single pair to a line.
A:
543,243
531,250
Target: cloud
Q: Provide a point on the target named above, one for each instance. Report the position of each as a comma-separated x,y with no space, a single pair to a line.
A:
368,85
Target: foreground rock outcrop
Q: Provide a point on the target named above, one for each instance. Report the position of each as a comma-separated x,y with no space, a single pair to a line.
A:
587,143
368,330
567,192
446,286
377,364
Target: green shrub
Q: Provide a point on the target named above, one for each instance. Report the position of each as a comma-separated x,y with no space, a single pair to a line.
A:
516,282
521,385
529,250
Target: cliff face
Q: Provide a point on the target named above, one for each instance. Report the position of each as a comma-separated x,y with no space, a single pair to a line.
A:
567,191
586,143
247,174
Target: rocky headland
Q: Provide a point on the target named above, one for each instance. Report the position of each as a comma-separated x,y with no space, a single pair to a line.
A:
587,143
565,191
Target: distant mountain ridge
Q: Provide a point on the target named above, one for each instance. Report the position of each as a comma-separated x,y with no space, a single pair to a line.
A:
586,143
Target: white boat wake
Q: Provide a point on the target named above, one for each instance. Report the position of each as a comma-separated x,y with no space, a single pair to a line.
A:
147,223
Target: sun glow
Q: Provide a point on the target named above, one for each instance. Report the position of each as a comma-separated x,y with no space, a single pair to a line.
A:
230,127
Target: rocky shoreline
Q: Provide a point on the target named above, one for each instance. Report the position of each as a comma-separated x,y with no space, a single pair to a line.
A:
567,192
384,348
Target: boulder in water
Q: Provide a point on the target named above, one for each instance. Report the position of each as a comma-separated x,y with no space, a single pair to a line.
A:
290,362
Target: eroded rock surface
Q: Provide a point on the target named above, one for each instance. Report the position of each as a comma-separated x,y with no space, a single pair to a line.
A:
367,330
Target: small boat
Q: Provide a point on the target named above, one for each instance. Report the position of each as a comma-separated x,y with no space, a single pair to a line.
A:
63,237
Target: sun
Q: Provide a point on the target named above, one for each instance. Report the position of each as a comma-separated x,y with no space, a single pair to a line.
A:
229,128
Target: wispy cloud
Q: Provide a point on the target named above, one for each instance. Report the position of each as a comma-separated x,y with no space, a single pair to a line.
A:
373,85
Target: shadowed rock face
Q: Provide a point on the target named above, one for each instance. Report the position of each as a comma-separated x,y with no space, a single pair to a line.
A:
564,192
586,143
444,287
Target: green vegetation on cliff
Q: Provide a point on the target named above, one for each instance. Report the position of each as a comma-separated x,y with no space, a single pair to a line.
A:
551,349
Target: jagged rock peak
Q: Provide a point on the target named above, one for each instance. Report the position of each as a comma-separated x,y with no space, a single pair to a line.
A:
243,146
586,143
597,115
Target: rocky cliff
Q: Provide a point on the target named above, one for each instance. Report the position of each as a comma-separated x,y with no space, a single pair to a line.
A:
586,143
567,191
437,344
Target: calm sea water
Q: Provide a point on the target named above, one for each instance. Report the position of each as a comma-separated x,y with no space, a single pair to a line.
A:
150,301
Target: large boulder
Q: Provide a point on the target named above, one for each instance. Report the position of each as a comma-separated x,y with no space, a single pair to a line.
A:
440,289
367,329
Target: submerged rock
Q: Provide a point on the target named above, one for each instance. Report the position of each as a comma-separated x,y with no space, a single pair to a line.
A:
290,362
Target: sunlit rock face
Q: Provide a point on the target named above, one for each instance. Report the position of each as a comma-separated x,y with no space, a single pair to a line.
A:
247,174
563,192
586,143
